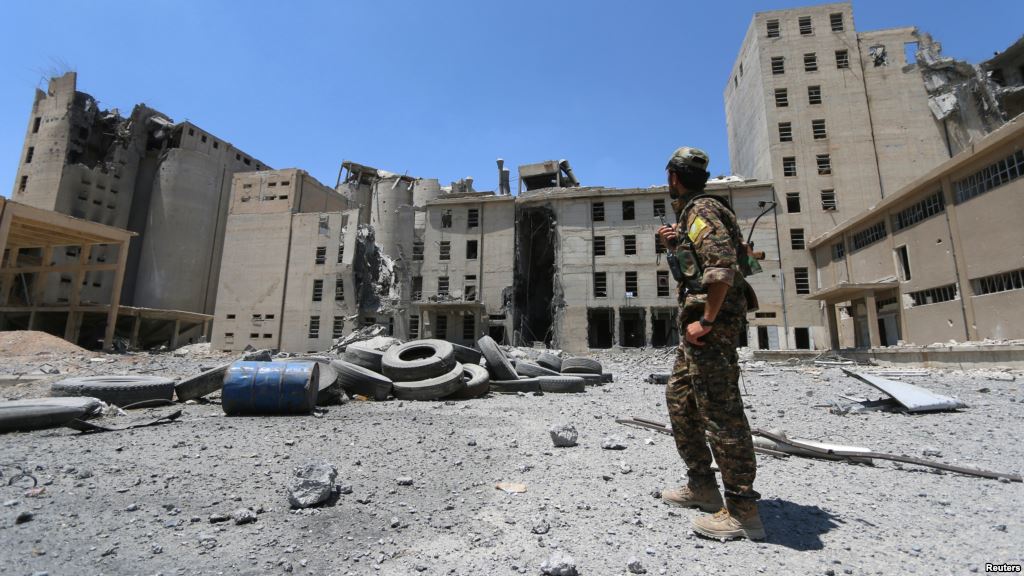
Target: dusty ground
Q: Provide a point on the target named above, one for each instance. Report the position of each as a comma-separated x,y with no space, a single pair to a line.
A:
139,502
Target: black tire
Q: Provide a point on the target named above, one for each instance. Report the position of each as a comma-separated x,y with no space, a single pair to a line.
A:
40,413
477,383
588,379
366,357
580,365
497,363
362,381
119,390
607,377
467,355
550,361
432,388
418,360
562,384
515,386
533,370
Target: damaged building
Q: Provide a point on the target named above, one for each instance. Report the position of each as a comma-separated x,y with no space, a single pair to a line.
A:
561,265
839,120
590,274
937,260
167,182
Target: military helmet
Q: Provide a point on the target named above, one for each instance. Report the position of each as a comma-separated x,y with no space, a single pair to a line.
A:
688,157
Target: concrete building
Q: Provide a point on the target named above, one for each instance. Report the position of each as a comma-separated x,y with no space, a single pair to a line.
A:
838,120
590,274
937,260
287,276
168,182
464,286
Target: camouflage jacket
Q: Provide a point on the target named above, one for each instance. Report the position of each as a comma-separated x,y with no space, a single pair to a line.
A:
712,230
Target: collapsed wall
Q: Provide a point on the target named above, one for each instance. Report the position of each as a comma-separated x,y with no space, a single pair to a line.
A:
960,95
537,295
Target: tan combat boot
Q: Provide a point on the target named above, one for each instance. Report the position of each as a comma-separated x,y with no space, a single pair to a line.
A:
701,494
739,519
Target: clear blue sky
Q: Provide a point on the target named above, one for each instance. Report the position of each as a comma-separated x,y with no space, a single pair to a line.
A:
439,89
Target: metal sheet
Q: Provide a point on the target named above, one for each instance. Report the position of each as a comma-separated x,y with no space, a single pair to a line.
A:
913,398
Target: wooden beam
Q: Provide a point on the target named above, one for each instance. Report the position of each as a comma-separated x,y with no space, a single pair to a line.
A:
133,342
174,334
115,296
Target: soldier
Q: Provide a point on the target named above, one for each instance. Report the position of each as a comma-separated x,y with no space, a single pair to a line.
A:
703,393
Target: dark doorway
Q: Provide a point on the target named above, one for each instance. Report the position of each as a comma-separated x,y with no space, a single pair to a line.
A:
497,333
535,274
600,327
663,328
632,328
803,338
763,343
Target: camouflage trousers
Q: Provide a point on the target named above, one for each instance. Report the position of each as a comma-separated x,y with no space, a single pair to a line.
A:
705,407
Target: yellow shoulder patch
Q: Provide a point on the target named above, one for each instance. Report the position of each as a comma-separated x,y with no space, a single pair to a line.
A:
698,230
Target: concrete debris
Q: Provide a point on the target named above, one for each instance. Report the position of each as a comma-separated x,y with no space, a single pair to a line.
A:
312,484
563,435
635,567
243,516
359,335
613,443
559,564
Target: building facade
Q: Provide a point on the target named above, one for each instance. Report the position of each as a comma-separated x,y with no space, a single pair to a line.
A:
168,182
837,119
466,260
938,260
286,279
591,274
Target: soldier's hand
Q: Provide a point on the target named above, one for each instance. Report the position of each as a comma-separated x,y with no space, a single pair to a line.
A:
694,332
668,236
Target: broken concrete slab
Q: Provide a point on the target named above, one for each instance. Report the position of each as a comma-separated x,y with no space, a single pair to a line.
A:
312,484
913,398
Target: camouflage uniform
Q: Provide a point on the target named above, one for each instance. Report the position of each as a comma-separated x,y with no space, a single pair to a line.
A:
703,393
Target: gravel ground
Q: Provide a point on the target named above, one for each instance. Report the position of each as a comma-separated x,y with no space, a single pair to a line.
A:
140,501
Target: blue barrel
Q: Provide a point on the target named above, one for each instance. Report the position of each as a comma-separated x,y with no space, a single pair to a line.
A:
270,388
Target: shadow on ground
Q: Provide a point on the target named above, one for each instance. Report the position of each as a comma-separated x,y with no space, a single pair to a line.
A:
794,525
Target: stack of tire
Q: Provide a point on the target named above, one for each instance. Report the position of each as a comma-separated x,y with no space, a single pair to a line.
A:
540,376
417,370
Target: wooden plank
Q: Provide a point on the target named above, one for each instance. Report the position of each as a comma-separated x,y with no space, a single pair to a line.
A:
115,296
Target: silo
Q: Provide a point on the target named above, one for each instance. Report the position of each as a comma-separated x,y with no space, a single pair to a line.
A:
389,195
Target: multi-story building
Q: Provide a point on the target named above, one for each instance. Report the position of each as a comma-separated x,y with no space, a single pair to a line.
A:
589,272
287,278
169,182
837,120
464,286
937,260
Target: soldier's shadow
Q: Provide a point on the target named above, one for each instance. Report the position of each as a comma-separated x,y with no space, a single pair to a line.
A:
795,525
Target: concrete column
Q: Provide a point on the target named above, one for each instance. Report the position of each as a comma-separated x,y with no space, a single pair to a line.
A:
136,325
39,283
175,330
869,302
833,325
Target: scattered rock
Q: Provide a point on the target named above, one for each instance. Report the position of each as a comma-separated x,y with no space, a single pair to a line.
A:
541,527
635,567
24,516
404,481
511,487
559,564
243,516
215,518
312,484
613,443
563,435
